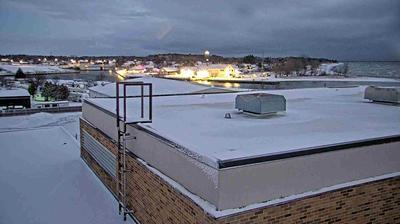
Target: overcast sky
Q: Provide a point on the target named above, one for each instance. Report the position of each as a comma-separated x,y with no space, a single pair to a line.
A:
339,29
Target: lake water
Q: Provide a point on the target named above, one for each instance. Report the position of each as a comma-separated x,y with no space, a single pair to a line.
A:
86,75
375,69
371,69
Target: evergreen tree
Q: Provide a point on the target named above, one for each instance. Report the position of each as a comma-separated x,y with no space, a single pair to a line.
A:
48,90
32,88
62,92
19,74
58,92
249,59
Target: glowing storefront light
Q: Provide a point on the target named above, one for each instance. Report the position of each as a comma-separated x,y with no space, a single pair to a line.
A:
187,73
202,74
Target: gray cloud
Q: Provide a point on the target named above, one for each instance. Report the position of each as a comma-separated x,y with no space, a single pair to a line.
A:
341,29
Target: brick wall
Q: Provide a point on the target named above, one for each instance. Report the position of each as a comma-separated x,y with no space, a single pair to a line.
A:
150,197
375,202
154,201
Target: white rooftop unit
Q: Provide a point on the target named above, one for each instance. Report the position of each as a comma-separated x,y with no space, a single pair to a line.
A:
383,94
260,103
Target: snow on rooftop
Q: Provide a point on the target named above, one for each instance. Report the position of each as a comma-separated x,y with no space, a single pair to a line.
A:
29,69
160,87
69,121
44,180
314,117
16,92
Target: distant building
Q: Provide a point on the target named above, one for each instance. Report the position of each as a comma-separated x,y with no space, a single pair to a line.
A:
188,72
218,70
169,71
50,104
128,64
203,71
137,69
5,61
5,73
14,99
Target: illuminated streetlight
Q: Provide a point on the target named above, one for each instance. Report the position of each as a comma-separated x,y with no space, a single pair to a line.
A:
206,54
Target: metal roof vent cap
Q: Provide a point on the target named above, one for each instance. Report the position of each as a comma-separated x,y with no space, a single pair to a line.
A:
260,103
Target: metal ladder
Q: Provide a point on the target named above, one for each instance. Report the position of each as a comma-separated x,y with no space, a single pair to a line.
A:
124,136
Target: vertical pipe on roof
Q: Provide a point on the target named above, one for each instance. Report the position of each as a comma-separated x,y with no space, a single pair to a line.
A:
124,103
151,101
117,102
142,101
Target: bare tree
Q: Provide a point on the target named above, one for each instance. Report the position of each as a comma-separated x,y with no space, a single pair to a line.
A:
39,80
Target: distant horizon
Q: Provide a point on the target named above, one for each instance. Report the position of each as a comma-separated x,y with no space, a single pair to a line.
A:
194,54
357,30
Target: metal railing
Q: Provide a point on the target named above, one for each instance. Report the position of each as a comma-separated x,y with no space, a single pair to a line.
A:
122,167
16,112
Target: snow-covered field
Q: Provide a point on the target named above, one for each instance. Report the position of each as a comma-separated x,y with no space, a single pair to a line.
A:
42,177
32,69
160,87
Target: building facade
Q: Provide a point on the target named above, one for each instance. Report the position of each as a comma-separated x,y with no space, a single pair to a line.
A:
154,200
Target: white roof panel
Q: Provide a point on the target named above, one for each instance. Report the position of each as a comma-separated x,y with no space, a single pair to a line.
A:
314,117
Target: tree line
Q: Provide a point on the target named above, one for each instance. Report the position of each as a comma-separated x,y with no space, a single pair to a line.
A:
49,90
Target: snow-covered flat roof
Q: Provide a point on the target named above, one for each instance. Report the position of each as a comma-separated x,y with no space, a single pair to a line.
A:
314,117
160,87
16,92
33,68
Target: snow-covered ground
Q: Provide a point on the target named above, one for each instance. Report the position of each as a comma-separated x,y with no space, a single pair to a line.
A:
32,69
69,121
332,68
160,87
42,177
5,73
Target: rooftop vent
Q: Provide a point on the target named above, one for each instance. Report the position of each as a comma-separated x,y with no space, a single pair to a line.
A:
383,94
260,103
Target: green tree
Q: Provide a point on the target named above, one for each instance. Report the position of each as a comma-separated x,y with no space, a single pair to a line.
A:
260,66
32,88
49,90
58,92
62,92
20,74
